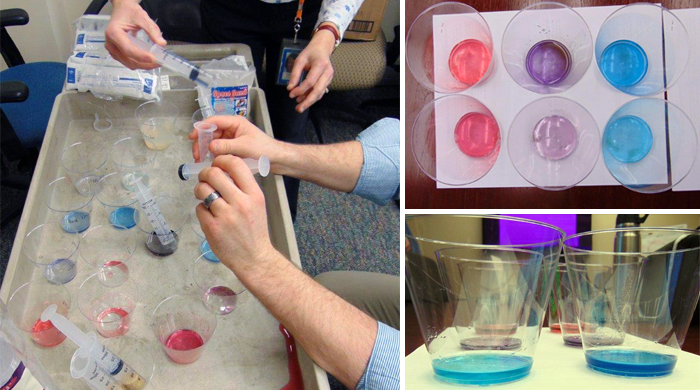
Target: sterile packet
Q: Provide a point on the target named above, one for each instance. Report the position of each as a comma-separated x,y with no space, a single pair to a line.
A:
230,93
90,33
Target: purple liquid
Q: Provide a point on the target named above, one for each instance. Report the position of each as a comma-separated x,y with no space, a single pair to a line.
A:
548,62
554,137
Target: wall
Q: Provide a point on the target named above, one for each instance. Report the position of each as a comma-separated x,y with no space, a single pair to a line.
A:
607,221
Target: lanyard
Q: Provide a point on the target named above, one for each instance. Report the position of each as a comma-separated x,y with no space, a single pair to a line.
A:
297,20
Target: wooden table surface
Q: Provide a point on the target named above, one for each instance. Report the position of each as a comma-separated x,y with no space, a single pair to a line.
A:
421,191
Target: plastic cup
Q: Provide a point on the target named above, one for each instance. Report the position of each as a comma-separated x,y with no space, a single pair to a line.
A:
462,57
455,140
137,355
564,300
480,286
108,300
85,163
54,251
553,317
104,246
204,247
157,123
554,143
183,326
636,290
132,160
649,145
119,201
547,47
28,302
642,49
219,286
68,206
175,214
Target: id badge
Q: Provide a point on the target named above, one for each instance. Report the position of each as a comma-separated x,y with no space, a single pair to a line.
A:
290,51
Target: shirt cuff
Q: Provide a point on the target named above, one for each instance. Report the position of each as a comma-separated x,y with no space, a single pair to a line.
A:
339,13
380,175
383,370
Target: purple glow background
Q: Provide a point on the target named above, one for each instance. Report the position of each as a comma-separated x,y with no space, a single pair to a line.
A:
565,222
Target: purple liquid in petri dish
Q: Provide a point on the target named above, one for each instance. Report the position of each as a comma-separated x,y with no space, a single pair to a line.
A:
548,62
554,137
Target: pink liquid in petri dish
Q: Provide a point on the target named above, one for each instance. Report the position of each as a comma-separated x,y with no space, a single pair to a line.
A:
477,135
220,299
113,322
556,328
469,61
183,346
554,137
46,335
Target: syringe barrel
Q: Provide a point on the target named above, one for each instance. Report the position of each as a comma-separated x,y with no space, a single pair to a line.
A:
67,328
190,171
82,365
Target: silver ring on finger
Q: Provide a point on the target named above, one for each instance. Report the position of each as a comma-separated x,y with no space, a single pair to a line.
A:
326,91
211,198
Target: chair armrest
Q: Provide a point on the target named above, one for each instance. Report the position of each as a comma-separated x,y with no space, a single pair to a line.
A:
13,92
13,17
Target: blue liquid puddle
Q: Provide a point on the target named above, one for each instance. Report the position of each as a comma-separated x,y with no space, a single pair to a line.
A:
482,369
627,362
75,222
61,271
206,251
628,139
624,63
123,218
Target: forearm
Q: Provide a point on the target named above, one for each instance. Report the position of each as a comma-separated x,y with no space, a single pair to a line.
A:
335,334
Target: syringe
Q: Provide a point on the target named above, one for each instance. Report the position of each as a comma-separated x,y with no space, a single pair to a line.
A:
105,358
155,217
83,366
174,62
191,170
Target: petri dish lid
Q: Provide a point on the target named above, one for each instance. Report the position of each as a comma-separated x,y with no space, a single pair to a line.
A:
554,143
649,145
438,152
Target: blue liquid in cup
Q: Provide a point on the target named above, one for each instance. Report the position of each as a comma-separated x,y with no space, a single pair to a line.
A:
123,218
206,251
61,271
627,362
628,139
75,222
623,63
482,369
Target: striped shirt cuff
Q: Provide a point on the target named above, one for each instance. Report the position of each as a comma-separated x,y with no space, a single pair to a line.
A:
338,12
383,369
380,175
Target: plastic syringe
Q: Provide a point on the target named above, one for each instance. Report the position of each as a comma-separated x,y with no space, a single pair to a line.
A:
150,208
83,366
174,62
205,134
191,170
106,359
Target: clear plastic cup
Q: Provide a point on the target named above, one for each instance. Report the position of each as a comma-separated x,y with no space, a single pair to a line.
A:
554,143
219,286
462,57
183,326
54,251
642,49
108,300
85,163
565,303
553,317
175,214
119,201
649,145
137,355
455,140
157,123
28,302
472,323
204,247
68,206
132,160
636,290
547,47
104,246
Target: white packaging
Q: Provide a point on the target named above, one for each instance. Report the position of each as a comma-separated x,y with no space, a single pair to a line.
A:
230,93
90,33
86,74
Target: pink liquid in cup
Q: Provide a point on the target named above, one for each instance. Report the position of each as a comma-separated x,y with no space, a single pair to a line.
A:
477,135
555,328
469,61
184,346
113,322
46,335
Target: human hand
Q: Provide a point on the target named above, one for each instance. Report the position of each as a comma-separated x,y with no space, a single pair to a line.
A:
128,16
316,58
235,225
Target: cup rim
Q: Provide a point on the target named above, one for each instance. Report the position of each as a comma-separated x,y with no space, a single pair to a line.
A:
63,163
14,293
688,232
123,230
89,317
153,154
41,226
539,255
202,260
161,103
49,193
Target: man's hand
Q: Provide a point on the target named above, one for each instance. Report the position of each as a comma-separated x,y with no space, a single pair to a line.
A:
316,58
236,135
128,16
235,225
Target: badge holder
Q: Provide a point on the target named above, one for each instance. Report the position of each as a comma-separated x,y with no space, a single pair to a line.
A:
288,54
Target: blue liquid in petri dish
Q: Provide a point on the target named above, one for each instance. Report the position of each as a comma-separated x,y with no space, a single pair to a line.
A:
623,63
628,362
61,271
482,369
628,139
206,251
75,222
123,218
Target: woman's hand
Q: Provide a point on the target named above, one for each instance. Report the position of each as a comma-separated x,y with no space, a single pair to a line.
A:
235,225
316,58
128,16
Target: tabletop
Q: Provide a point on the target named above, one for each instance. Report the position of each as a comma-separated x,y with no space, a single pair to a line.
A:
421,191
